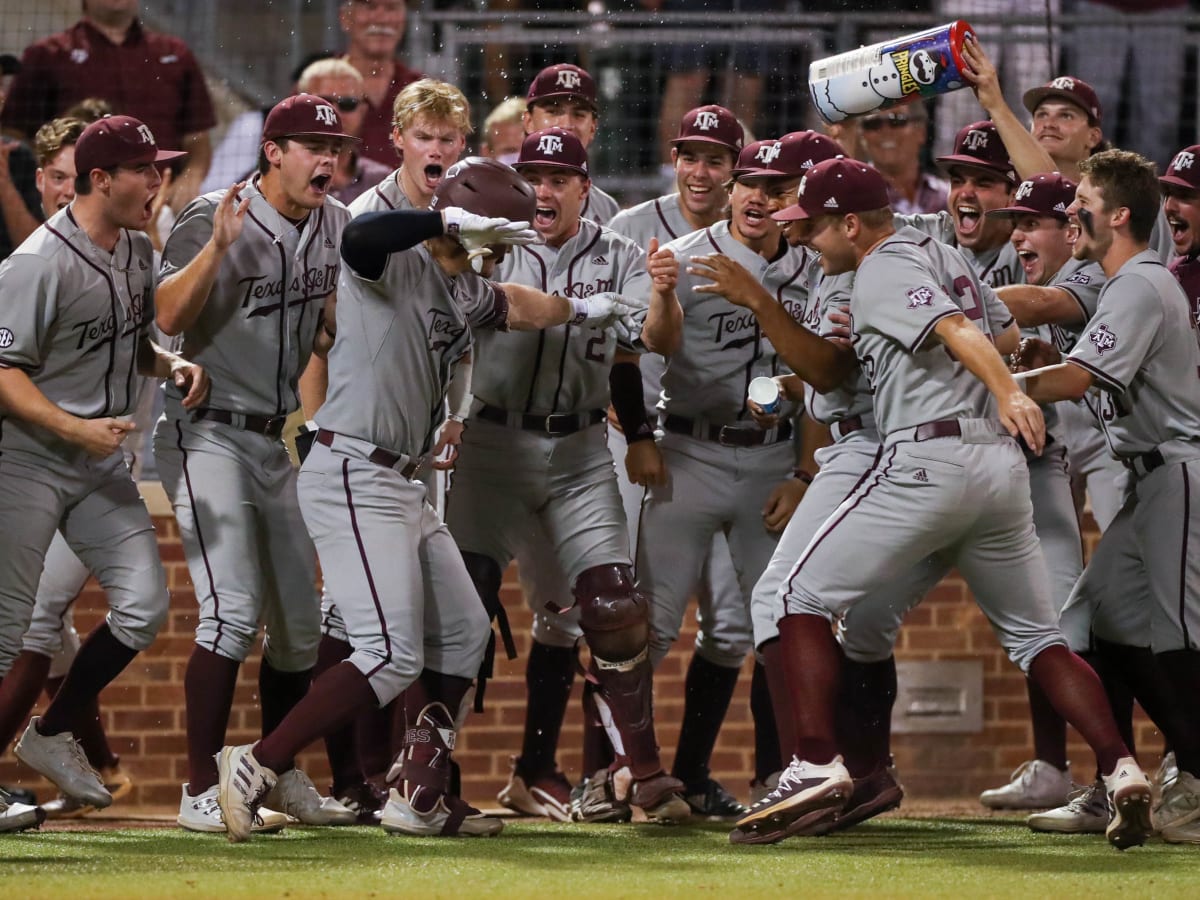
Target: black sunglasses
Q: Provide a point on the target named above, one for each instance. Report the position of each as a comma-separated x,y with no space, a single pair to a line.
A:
345,104
895,120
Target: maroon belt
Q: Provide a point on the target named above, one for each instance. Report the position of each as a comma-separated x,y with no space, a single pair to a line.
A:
944,428
849,425
379,456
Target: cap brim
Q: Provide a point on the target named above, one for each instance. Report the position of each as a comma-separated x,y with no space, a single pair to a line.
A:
1176,181
163,156
705,140
535,163
1010,212
1034,96
762,173
946,163
563,95
322,134
793,213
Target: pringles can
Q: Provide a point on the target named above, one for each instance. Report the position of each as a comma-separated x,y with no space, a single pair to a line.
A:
890,73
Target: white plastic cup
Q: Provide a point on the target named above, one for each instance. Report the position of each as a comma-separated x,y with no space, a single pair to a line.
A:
765,392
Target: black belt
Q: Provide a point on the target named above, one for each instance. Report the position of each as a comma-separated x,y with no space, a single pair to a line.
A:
271,426
728,435
558,425
948,428
1144,463
379,456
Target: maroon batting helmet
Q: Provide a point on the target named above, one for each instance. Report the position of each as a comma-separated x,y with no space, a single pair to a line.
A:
486,187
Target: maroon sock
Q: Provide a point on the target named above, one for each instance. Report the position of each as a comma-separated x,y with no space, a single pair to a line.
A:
812,661
1182,667
864,714
278,694
89,731
767,759
785,724
340,747
1049,728
597,749
333,700
549,676
708,688
208,686
1076,692
19,692
373,739
101,659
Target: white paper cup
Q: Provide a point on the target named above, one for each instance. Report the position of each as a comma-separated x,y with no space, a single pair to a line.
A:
765,392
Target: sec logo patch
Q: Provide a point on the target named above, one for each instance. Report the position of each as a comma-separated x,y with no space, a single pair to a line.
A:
6,338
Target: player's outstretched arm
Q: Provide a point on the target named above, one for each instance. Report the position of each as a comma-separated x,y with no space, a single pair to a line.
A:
1043,375
21,398
662,332
1033,304
1020,415
530,310
181,296
1027,155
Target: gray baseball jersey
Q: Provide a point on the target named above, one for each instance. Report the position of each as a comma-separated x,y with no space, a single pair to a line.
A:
599,206
268,295
508,475
996,267
72,318
1141,348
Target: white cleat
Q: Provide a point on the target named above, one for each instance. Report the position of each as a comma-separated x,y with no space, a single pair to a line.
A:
244,782
1085,813
16,816
450,816
202,813
295,795
1034,785
60,758
1129,797
1177,815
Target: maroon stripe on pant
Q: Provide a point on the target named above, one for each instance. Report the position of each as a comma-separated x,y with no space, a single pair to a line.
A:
1183,556
362,554
187,480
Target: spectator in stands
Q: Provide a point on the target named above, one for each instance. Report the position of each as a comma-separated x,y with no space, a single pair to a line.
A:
341,84
1147,43
150,76
692,66
18,193
503,131
894,141
374,30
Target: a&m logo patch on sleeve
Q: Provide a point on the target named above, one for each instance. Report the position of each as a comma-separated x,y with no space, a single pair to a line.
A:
920,296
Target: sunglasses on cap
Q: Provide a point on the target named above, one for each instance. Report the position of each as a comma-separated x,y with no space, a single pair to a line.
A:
893,120
344,104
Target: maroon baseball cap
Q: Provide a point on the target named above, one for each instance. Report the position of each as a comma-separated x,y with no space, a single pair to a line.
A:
1073,90
712,125
978,146
835,187
304,114
553,147
788,157
562,80
118,141
1048,194
1184,170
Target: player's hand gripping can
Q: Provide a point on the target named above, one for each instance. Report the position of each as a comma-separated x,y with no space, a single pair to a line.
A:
887,74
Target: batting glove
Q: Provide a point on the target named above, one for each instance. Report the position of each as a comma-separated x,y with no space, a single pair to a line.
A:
476,232
604,311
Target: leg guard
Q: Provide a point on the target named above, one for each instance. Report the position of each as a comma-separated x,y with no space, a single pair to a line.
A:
486,576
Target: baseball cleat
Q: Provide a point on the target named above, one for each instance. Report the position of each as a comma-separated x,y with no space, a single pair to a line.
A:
546,795
202,813
295,795
594,801
1167,771
116,782
709,800
450,816
16,816
871,795
244,782
1177,813
807,795
1128,792
1034,785
659,797
760,789
365,800
60,758
1086,812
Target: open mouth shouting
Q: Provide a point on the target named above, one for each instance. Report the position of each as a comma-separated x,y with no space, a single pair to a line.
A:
968,219
433,176
544,217
320,184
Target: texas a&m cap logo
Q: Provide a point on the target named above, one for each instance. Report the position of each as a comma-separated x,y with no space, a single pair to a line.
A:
553,147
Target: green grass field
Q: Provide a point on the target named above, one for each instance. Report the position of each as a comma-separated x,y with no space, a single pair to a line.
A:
890,857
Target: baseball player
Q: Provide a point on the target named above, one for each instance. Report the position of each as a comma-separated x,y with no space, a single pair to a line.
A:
247,276
411,612
949,480
564,96
430,126
1137,363
536,451
79,299
51,642
1181,204
725,474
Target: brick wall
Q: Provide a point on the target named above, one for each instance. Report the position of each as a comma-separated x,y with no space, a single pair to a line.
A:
143,710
